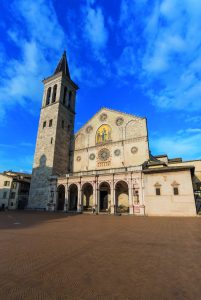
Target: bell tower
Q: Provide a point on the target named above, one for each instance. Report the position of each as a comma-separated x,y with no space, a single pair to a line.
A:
55,132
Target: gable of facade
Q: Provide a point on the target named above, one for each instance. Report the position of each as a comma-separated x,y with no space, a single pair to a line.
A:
110,139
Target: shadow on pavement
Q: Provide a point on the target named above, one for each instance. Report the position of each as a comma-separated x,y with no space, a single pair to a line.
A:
25,219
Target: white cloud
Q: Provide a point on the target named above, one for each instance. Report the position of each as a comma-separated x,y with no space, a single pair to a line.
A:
42,23
95,30
173,53
167,48
181,145
193,119
37,42
188,130
126,65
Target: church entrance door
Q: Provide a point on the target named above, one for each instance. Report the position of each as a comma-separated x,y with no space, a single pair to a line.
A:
104,203
73,196
60,197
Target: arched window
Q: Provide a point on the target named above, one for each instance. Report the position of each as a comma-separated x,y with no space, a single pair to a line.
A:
64,95
70,99
48,96
54,93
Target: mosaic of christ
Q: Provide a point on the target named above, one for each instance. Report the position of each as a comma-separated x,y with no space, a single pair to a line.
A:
103,134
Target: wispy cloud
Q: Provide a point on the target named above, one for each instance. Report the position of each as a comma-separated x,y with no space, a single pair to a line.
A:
189,130
126,64
168,55
195,119
95,30
183,144
42,40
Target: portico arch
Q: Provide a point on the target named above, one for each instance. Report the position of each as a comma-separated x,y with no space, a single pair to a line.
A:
104,197
60,197
121,197
73,197
87,196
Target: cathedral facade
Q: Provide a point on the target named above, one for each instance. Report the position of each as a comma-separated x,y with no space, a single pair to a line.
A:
106,167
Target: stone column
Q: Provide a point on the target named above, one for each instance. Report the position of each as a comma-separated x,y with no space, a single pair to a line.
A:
55,198
98,200
141,196
97,196
112,200
130,197
112,196
94,196
79,200
66,198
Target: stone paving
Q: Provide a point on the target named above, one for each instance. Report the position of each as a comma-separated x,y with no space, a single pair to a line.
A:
56,256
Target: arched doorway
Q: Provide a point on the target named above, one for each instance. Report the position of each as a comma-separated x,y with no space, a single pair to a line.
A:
73,196
104,199
121,198
87,197
60,197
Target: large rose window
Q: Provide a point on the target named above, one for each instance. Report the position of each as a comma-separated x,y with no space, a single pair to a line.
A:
104,154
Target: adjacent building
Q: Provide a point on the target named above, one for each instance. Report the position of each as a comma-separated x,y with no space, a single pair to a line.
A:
14,190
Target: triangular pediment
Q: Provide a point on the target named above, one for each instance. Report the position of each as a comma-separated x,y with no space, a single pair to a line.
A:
109,112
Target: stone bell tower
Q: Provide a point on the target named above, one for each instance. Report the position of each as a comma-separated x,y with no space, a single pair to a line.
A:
55,132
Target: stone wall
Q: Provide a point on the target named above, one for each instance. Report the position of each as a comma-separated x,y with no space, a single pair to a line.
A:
168,204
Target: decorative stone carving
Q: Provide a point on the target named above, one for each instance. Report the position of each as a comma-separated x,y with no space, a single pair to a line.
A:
103,117
134,150
104,154
119,121
89,129
92,156
78,158
117,152
175,184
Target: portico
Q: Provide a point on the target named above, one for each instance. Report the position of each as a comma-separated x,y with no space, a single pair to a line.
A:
111,192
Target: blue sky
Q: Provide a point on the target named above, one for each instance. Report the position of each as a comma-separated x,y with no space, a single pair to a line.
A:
141,57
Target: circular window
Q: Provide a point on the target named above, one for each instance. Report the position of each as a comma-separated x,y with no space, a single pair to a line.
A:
119,121
92,156
134,150
117,152
104,154
78,158
103,117
89,129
